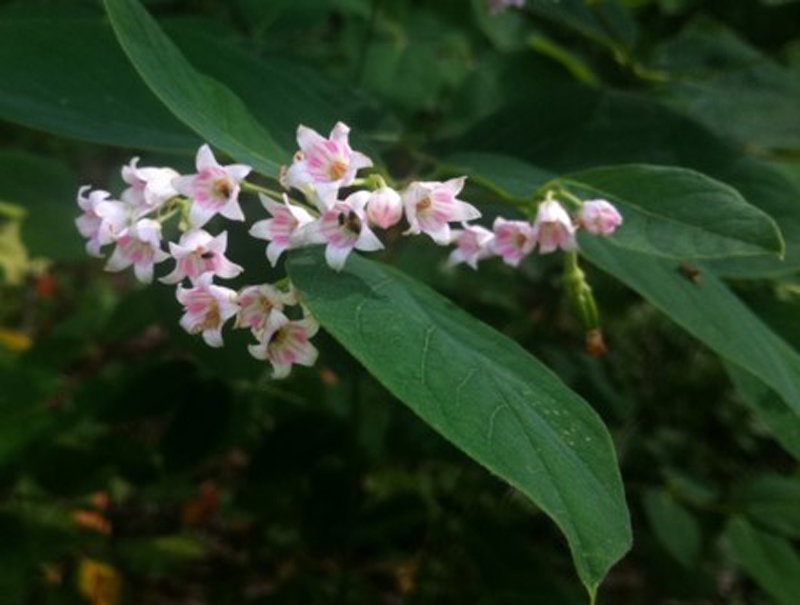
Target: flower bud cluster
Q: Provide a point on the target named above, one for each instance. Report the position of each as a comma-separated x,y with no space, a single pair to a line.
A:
552,229
332,207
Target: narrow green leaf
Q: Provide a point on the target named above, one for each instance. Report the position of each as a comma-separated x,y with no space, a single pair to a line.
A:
709,311
481,391
203,104
780,419
674,526
771,561
679,213
773,501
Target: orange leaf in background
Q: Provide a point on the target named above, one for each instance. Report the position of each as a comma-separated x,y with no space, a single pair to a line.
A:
92,520
99,583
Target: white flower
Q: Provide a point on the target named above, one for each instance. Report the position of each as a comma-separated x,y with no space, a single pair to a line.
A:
261,308
207,307
102,220
283,229
385,207
513,240
287,343
600,217
138,245
473,243
554,228
323,166
344,228
430,206
198,253
214,189
149,187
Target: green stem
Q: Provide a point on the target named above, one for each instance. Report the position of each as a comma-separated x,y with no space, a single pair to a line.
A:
253,188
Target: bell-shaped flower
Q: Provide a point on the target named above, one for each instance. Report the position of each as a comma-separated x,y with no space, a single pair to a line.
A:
430,206
148,187
102,220
214,189
287,343
261,307
554,228
283,229
206,309
343,228
199,252
599,216
385,207
513,240
473,243
138,245
323,166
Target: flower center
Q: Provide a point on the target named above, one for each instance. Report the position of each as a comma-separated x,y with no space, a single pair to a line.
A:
424,204
521,240
212,317
337,169
350,222
222,188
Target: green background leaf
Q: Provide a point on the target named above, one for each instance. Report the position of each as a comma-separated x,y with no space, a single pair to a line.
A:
483,392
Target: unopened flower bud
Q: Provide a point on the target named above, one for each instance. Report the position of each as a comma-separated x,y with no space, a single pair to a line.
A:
385,208
600,217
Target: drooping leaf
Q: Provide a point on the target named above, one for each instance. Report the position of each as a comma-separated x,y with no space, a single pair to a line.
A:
674,526
679,213
709,311
481,391
202,103
773,501
770,560
781,420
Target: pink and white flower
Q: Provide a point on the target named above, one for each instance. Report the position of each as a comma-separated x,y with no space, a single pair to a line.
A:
283,230
385,207
214,189
344,228
149,187
206,309
513,240
199,252
473,243
138,245
430,206
323,166
600,217
554,228
288,343
261,307
102,220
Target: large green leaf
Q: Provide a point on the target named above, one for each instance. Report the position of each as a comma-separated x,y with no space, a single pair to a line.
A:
709,311
729,85
205,105
584,128
771,561
102,102
481,391
679,213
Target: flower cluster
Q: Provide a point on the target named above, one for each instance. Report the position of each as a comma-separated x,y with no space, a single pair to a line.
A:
324,202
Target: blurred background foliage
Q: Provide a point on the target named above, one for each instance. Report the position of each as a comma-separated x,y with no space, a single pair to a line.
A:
138,466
